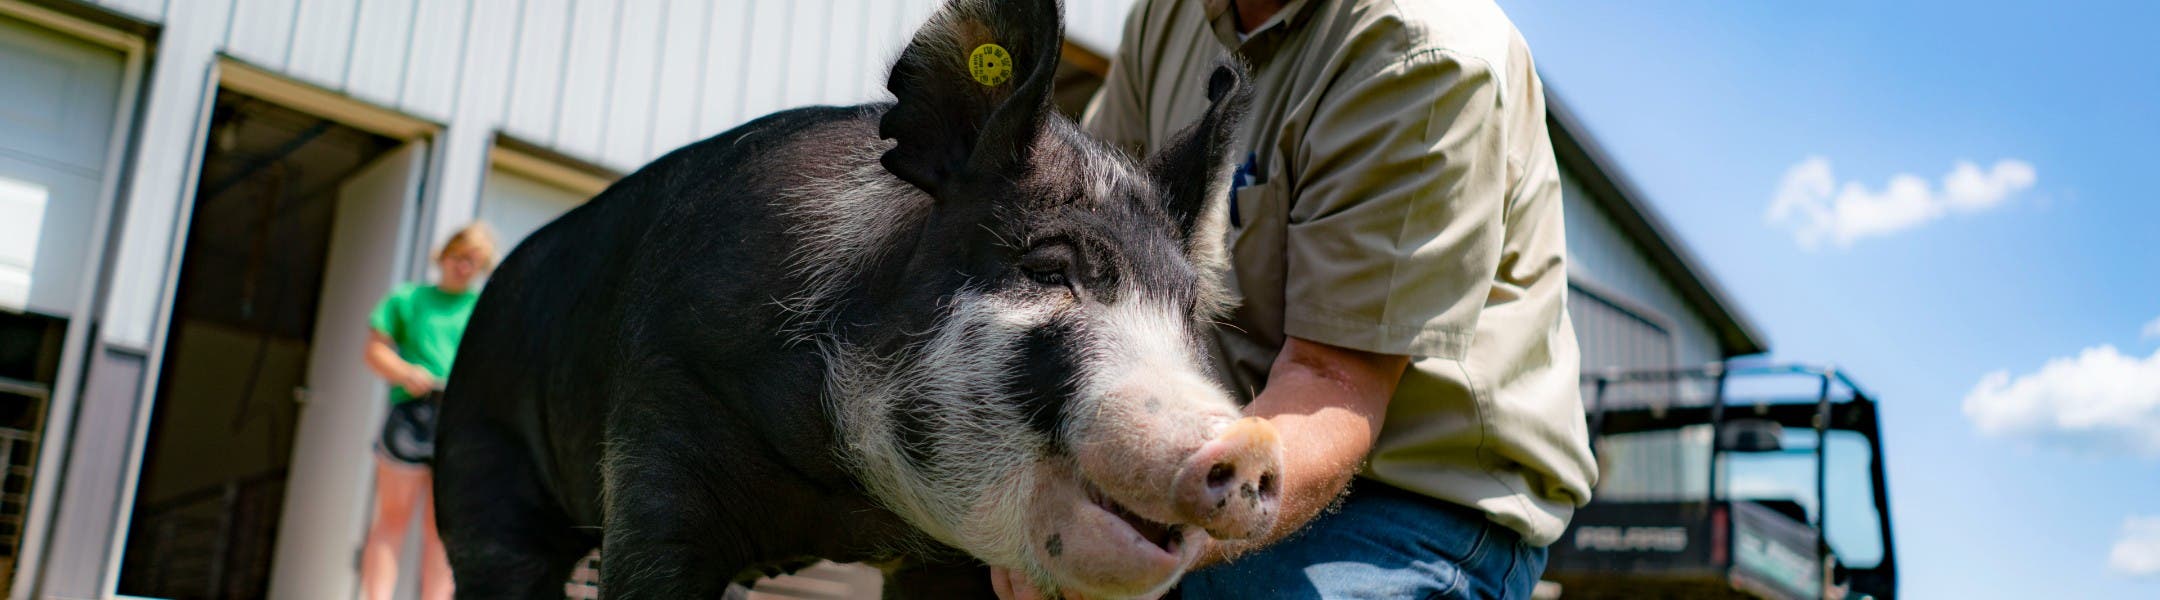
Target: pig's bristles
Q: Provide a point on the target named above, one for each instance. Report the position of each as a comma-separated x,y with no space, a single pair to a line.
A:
994,235
1221,323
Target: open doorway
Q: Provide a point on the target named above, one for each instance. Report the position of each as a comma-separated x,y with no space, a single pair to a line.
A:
243,333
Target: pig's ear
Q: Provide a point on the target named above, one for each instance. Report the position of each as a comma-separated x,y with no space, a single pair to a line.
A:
1194,169
972,89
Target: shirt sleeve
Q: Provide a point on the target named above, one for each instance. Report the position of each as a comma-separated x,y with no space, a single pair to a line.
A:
1396,227
1115,114
385,318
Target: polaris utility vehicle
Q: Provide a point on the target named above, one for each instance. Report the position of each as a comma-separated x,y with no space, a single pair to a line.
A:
1729,481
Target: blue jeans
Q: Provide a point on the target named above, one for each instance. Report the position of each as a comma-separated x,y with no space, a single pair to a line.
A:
1383,543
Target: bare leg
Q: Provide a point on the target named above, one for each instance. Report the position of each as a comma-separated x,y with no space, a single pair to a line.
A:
435,580
396,487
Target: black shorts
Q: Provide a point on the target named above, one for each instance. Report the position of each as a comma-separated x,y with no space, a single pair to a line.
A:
408,434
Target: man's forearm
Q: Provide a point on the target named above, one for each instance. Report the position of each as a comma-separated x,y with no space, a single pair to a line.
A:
1328,404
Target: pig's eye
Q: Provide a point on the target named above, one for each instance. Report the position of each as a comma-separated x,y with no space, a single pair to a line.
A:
1048,264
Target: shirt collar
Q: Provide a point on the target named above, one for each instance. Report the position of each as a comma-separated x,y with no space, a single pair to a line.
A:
1260,40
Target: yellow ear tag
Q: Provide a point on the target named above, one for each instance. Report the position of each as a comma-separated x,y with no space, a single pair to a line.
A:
990,64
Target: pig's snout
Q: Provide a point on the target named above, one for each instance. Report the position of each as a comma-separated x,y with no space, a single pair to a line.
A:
1232,486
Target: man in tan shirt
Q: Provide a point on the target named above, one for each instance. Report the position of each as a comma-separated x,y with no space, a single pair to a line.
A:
1398,255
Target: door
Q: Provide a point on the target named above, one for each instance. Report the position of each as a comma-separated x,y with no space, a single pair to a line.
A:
517,205
330,490
56,120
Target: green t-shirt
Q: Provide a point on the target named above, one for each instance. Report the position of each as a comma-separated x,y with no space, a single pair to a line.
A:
426,323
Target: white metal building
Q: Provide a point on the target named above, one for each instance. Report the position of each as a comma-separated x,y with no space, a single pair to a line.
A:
201,199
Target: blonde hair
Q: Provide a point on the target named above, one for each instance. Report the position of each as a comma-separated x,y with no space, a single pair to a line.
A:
475,236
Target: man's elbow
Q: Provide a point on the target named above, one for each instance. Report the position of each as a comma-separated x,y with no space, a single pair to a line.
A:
1363,377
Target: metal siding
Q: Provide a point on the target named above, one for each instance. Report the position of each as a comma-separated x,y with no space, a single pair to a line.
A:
1607,256
880,45
631,90
382,33
536,74
261,31
1613,336
765,73
433,60
172,108
807,55
491,32
846,65
579,121
322,41
720,90
682,58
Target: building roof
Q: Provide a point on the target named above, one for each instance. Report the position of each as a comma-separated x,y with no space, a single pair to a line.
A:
1610,189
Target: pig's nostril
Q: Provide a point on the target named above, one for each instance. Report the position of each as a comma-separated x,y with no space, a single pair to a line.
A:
1220,474
1231,486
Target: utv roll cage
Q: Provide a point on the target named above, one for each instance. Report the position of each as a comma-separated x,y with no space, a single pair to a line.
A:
1707,544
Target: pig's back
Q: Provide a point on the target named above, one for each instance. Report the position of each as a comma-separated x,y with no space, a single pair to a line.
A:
680,260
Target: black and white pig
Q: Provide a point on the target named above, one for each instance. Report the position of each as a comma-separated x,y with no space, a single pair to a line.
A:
881,332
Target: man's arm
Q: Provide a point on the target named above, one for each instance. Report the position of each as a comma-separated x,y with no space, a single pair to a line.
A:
1390,253
1328,402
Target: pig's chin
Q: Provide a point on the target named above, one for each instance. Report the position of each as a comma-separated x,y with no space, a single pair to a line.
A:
1093,545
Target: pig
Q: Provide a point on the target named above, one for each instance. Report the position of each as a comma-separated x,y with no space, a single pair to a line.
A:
922,333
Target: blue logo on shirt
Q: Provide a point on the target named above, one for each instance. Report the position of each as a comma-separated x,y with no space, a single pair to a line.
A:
1238,180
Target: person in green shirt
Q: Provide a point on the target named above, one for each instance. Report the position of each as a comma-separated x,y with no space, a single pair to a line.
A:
413,338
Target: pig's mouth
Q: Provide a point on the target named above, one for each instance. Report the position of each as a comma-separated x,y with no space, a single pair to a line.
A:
1166,537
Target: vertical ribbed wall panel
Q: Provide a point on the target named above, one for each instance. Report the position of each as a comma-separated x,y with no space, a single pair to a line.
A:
322,33
261,31
434,60
633,83
585,90
765,62
674,114
381,35
727,44
536,73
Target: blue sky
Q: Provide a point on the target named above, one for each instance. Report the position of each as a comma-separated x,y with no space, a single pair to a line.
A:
2043,251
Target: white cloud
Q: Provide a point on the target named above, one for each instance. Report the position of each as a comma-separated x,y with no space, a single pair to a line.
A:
2137,552
2098,400
1811,201
2152,329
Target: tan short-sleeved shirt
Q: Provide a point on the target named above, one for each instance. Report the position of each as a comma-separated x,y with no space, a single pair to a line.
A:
1401,197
